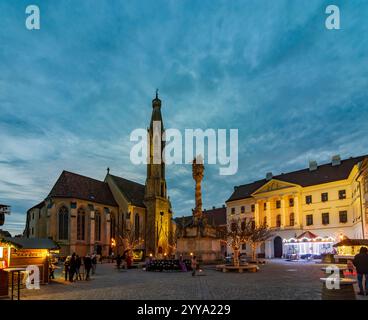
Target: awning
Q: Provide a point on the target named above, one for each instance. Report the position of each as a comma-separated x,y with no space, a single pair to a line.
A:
34,243
352,242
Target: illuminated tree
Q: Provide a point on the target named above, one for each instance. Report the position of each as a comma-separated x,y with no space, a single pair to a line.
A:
255,236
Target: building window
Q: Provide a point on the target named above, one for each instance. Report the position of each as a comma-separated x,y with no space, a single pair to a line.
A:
343,216
265,206
97,226
136,226
278,221
63,220
244,246
81,224
342,194
278,204
112,226
242,209
291,219
232,210
252,208
324,196
308,199
309,219
291,202
325,218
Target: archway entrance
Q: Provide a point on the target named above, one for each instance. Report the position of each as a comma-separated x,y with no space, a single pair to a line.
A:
277,247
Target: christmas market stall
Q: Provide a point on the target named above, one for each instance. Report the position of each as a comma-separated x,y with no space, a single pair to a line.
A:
348,248
21,253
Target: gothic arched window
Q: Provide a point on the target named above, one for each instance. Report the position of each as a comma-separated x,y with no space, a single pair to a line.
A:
136,226
112,226
63,220
97,226
81,224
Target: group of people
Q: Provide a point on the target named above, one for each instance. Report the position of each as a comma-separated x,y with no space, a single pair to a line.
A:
74,263
125,259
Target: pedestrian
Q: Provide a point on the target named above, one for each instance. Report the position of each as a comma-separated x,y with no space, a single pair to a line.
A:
182,265
72,267
87,265
361,264
94,263
118,261
78,263
194,265
66,267
51,270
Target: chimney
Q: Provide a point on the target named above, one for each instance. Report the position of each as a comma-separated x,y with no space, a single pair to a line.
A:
213,208
223,206
336,160
313,166
269,176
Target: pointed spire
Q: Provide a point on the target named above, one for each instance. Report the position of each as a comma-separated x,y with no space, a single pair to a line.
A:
108,170
156,93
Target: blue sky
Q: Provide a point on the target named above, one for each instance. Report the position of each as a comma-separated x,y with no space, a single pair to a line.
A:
71,93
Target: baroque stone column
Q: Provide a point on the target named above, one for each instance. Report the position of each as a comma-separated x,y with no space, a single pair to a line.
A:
268,212
297,212
256,214
198,170
283,212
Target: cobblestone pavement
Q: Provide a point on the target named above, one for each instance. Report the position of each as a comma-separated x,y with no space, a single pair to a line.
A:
276,280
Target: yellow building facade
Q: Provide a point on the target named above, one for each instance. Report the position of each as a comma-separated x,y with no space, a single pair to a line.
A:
308,210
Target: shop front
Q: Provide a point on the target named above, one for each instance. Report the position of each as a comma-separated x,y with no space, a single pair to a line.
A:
21,253
348,248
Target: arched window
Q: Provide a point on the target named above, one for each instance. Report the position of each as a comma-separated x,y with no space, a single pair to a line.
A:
63,220
136,226
278,221
291,219
81,223
112,226
97,226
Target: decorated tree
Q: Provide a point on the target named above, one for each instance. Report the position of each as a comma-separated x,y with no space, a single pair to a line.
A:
235,237
255,236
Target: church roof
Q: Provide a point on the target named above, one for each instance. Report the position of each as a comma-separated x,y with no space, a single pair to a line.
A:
323,174
72,185
133,191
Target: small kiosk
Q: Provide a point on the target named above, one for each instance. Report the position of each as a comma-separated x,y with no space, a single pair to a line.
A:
348,248
21,253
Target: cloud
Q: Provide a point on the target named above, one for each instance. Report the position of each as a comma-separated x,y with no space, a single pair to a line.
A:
71,93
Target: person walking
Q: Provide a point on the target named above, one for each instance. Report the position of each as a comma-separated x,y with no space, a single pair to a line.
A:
72,267
78,263
118,261
94,263
361,264
194,265
66,267
87,265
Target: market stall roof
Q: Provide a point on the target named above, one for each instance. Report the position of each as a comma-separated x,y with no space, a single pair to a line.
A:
307,234
34,243
352,242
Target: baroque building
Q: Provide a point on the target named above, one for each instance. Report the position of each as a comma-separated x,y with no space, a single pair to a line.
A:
85,215
307,210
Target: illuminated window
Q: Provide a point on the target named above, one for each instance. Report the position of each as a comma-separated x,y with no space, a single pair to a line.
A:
1,252
63,220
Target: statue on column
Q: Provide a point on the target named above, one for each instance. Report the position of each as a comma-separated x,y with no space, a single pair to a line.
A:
198,171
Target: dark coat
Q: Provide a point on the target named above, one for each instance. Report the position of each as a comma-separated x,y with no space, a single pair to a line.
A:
361,263
87,263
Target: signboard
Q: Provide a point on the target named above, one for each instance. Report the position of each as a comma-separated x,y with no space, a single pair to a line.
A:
30,253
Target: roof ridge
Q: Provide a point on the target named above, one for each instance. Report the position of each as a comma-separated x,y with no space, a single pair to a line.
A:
80,175
114,176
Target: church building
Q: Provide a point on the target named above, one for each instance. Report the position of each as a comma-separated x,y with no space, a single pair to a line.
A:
85,215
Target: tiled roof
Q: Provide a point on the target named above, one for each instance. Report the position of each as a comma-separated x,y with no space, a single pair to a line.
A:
323,174
132,190
72,185
33,243
216,216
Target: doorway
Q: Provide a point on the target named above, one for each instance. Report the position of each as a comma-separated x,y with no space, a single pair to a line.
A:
277,247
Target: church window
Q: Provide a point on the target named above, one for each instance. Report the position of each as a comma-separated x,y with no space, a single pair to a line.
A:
98,226
112,226
136,226
63,219
81,223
